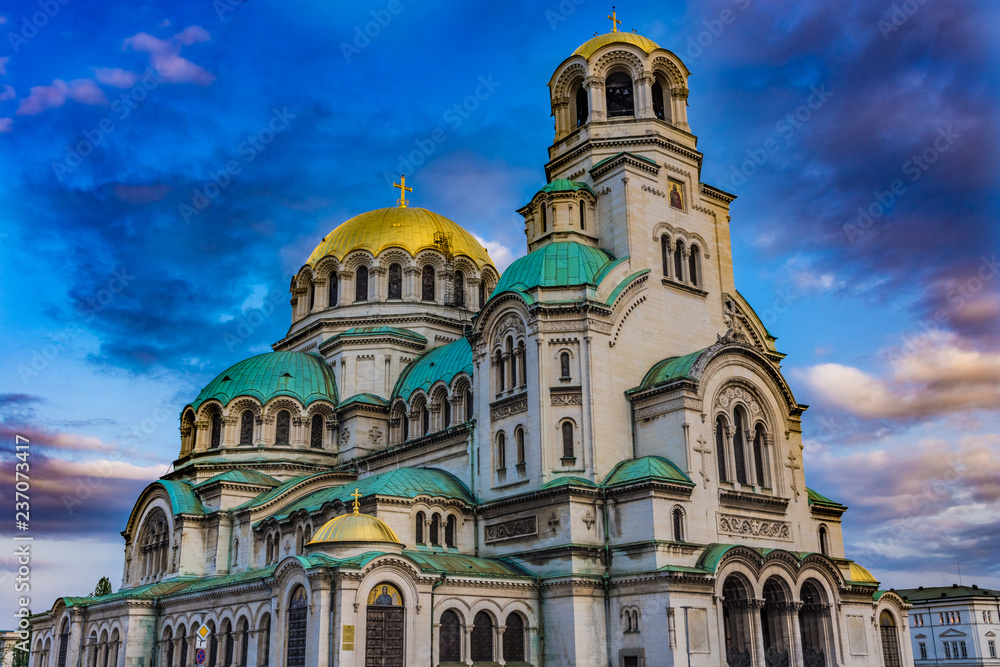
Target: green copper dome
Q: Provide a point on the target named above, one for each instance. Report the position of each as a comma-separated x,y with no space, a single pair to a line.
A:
440,363
558,264
299,375
566,185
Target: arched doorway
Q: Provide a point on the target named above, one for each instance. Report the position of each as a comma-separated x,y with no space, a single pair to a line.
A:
298,619
890,640
736,621
813,621
774,623
384,645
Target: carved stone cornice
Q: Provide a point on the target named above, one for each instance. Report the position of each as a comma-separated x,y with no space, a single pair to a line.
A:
753,501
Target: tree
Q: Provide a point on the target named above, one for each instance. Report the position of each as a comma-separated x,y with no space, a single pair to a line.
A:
103,588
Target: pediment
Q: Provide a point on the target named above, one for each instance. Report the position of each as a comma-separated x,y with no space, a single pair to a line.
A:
952,632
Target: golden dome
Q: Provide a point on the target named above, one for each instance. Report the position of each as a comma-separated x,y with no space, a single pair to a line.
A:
860,575
413,229
591,46
354,527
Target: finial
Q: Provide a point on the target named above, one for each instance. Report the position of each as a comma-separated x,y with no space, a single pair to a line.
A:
614,20
402,201
357,505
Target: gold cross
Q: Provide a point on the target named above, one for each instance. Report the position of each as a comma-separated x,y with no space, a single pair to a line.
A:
402,201
357,505
614,20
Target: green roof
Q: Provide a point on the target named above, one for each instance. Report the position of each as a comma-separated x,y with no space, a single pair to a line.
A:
369,332
557,264
182,498
668,370
242,477
454,564
441,363
297,374
646,468
623,284
280,489
568,481
566,185
618,155
815,498
945,592
369,399
399,483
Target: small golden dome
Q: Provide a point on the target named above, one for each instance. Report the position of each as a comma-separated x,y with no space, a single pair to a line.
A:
354,527
591,46
413,229
860,575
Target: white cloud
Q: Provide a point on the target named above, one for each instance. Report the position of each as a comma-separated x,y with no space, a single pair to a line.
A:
501,255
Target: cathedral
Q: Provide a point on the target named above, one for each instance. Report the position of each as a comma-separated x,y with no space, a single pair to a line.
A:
591,459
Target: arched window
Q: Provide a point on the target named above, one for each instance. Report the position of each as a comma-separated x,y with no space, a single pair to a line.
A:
720,447
459,289
312,296
544,221
501,451
679,261
582,106
264,641
425,420
449,531
513,639
519,443
419,528
236,552
482,638
450,639
446,410
665,254
395,281
113,648
694,266
482,292
192,429
361,284
678,516
583,215
168,641
758,455
469,408
297,619
406,425
427,291
824,541
153,543
658,105
246,427
213,645
564,365
512,359
890,640
95,649
243,634
522,361
282,427
216,430
333,289
230,647
739,445
182,636
316,432
567,440
621,100
499,363
436,529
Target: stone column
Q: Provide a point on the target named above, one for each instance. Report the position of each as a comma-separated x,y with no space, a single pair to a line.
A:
498,650
644,95
730,455
468,645
685,266
298,437
202,435
411,278
322,300
560,109
758,632
795,650
595,96
230,431
380,287
678,101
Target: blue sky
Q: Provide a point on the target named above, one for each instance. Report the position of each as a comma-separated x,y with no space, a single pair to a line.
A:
167,167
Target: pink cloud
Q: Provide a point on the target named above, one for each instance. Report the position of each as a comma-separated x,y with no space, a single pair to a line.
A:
165,57
141,194
7,93
3,64
43,98
119,78
6,125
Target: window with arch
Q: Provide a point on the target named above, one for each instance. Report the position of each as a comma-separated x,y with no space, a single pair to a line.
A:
582,106
436,529
544,220
333,289
679,261
482,292
739,444
395,281
95,649
513,638
659,107
297,619
665,254
246,427
312,296
282,427
168,652
567,441
481,644
499,363
519,445
458,289
890,640
678,520
743,449
406,425
564,373
522,362
419,528
694,266
824,541
469,408
243,636
450,639
316,432
445,411
427,291
216,430
154,544
512,359
449,531
425,419
759,439
501,451
264,641
583,216
620,95
236,552
213,645
630,620
230,643
721,428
